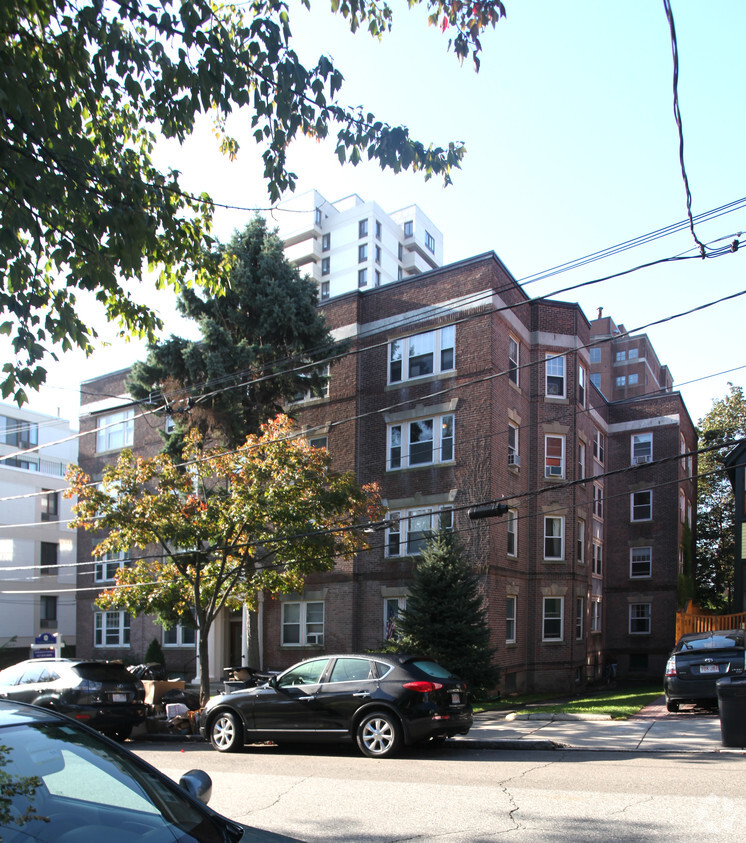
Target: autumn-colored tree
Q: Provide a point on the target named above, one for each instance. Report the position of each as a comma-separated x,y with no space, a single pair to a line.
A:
258,518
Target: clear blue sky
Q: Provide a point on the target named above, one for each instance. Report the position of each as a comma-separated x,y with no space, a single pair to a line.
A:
572,147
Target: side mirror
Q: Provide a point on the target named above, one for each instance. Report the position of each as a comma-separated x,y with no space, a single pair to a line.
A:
197,784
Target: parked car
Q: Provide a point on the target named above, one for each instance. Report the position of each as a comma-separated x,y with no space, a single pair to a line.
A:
379,701
65,783
105,695
697,662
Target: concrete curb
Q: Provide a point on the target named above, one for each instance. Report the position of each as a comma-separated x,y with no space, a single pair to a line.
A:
556,716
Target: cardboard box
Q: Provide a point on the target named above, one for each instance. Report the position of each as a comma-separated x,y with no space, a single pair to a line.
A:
156,688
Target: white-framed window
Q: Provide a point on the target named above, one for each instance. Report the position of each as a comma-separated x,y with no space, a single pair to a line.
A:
180,636
312,394
115,431
598,562
642,448
513,457
641,505
621,380
111,629
106,568
50,505
514,359
362,228
317,216
302,623
579,617
512,532
554,537
581,460
422,442
408,228
595,616
555,376
326,242
639,619
326,265
554,456
598,500
410,529
429,242
362,253
553,619
599,446
424,354
595,354
640,562
510,619
392,608
582,384
581,541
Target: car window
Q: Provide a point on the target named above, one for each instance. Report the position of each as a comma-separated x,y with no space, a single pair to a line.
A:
381,669
714,642
350,670
307,673
103,672
11,675
432,669
32,674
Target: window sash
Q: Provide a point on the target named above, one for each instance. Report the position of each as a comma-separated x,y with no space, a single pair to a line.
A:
421,355
555,376
392,608
410,529
639,618
640,562
641,504
115,431
106,569
512,532
302,623
579,617
510,619
642,447
552,619
554,537
554,456
514,354
421,442
112,629
581,541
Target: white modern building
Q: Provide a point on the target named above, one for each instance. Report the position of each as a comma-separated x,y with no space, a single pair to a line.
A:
351,244
37,549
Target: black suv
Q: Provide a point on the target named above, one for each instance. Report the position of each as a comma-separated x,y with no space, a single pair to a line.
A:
104,695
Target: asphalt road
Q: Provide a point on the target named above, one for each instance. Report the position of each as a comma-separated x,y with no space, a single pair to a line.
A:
456,795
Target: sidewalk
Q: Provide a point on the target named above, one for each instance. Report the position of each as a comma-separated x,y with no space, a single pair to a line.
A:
651,730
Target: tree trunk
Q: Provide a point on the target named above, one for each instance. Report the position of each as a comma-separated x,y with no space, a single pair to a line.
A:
204,668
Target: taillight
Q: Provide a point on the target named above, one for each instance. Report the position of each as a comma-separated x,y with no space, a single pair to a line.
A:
671,667
423,687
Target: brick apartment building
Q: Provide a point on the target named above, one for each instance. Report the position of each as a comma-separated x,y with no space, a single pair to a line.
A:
459,390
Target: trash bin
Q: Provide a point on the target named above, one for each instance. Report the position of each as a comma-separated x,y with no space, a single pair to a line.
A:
732,705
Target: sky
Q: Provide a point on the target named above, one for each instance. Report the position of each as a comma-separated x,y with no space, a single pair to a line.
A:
572,147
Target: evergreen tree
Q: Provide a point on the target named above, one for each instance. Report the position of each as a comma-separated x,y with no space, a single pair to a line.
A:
445,617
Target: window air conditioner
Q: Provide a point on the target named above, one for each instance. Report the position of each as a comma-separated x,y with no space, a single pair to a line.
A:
641,460
514,459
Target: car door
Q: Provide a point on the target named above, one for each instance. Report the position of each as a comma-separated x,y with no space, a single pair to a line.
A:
288,705
349,683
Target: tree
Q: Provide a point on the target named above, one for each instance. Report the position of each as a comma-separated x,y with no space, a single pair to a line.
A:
86,87
258,344
232,524
445,617
725,422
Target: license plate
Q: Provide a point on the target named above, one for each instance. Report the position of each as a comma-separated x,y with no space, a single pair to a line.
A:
455,699
709,668
119,698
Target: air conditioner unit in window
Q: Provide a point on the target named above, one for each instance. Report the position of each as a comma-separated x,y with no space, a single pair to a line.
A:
514,459
643,459
315,638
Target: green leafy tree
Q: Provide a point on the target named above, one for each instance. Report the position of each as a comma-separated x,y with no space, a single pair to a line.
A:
445,617
87,86
258,518
258,344
725,422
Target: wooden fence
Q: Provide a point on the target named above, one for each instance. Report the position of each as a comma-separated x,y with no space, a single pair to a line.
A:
693,620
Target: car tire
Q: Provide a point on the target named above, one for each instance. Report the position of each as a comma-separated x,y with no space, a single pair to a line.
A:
378,734
120,734
672,705
226,734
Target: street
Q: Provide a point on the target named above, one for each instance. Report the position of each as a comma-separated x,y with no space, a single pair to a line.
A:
459,795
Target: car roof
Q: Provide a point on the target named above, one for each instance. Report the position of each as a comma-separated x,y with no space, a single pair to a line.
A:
712,633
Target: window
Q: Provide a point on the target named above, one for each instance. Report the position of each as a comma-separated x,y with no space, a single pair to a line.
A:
513,458
422,354
362,253
362,228
596,380
597,568
408,228
582,381
621,380
362,277
392,608
581,541
552,619
581,460
400,252
325,266
640,562
111,629
514,359
410,529
639,619
641,505
49,554
579,617
324,290
555,376
682,507
642,448
429,242
310,393
378,278
632,380
510,605
595,355
378,254
317,216
598,446
598,501
326,242
632,354
18,433
554,537
554,456
512,532
379,230
303,623
620,356
319,442
47,611
50,505
399,274
106,569
595,616
179,636
115,431
422,442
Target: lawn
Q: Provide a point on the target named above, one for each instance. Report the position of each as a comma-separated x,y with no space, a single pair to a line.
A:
619,703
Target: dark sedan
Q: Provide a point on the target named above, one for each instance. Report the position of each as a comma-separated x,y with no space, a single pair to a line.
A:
101,694
379,701
697,662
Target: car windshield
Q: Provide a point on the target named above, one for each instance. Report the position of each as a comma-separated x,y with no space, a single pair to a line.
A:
714,642
60,783
432,669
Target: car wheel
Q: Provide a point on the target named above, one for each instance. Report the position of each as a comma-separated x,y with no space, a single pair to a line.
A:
378,734
672,705
226,734
120,734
